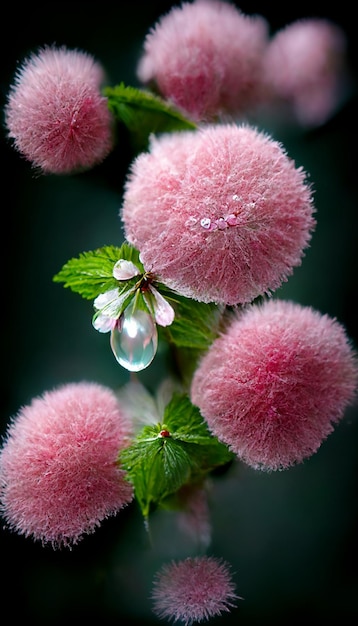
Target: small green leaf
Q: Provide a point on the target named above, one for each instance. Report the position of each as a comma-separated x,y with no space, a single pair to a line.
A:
159,465
195,324
91,273
144,113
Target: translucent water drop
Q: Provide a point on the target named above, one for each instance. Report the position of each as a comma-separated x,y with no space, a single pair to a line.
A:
134,339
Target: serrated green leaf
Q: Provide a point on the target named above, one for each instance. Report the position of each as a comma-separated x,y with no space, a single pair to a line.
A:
183,418
195,324
144,113
156,469
91,273
159,465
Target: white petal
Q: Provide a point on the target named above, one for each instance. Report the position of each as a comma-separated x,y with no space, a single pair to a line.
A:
123,270
163,311
139,404
110,303
103,323
105,298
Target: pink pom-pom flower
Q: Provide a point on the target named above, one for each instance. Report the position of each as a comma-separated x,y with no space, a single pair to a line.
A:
276,382
205,57
58,464
305,68
220,214
55,113
193,590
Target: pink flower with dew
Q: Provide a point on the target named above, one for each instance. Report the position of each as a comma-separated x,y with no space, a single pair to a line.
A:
193,590
305,67
58,464
276,382
220,214
205,57
55,113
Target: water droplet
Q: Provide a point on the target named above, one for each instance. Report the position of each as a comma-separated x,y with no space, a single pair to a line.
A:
134,339
205,222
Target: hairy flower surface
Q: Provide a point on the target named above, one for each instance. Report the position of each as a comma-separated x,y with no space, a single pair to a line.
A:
193,590
305,66
273,386
58,464
55,113
220,214
205,57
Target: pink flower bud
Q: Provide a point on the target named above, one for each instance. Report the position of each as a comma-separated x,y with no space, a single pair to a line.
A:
275,383
55,113
205,56
193,590
58,464
305,68
179,192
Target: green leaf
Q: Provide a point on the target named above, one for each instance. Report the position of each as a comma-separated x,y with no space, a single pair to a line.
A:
144,113
90,274
159,465
195,324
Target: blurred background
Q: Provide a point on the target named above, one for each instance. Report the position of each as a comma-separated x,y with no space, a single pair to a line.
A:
291,537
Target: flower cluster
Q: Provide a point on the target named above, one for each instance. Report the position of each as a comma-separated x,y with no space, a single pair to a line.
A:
216,216
213,60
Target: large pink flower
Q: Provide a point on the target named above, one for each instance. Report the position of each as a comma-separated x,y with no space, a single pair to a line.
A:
58,464
205,56
305,68
193,590
55,113
273,386
220,214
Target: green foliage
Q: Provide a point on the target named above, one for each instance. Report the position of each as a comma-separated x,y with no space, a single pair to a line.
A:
92,272
144,113
196,323
158,464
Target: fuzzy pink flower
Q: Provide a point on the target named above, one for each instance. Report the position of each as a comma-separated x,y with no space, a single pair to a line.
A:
205,57
55,113
220,214
273,386
305,66
193,590
58,464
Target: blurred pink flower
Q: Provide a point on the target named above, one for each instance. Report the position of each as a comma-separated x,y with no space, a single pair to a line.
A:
58,464
193,590
220,214
306,70
205,57
275,383
55,113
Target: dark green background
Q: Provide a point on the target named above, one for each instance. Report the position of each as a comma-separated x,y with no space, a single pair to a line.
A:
291,537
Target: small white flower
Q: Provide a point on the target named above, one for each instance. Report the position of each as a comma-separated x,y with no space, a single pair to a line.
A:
109,305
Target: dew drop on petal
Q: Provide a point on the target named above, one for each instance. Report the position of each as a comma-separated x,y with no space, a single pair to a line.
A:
134,339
